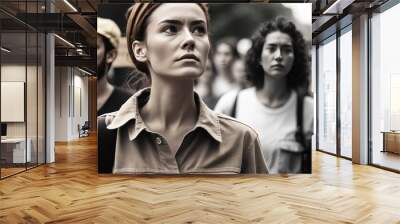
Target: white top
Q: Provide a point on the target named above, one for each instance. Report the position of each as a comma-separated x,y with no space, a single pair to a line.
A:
276,126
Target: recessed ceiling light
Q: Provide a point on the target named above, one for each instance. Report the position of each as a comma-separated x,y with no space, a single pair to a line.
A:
70,5
84,71
5,50
65,41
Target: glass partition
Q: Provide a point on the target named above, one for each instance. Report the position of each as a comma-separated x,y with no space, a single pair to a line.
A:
346,92
22,88
41,96
385,89
327,95
14,143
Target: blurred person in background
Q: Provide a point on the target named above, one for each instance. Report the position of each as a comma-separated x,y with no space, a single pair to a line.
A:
240,78
242,46
277,64
109,98
203,85
239,74
223,58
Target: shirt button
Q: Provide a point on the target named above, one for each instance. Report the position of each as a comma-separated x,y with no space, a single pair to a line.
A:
158,141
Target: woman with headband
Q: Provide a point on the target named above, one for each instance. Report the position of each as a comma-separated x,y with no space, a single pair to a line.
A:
167,129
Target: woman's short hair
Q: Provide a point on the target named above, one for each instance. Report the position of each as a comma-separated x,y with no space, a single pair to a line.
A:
137,21
298,75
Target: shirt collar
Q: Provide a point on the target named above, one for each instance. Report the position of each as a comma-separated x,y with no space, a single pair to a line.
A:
208,119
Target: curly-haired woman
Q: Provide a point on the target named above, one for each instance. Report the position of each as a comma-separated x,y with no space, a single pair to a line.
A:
277,65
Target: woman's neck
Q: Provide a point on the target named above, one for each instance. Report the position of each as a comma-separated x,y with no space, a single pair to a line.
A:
274,93
171,104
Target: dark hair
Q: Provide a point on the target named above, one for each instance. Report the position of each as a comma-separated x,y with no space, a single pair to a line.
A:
107,44
298,75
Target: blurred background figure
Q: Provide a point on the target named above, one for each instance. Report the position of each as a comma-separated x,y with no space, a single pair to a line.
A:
277,107
239,74
238,67
109,98
224,55
124,74
203,85
243,46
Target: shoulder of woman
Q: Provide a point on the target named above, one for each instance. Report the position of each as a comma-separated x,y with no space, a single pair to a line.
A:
225,103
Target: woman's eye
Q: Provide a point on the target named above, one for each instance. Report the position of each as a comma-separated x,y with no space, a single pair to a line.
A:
288,49
170,29
199,30
271,49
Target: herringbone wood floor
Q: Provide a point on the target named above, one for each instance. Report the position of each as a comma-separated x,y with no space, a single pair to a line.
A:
71,191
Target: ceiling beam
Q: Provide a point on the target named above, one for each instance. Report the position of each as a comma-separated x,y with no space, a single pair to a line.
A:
337,6
90,31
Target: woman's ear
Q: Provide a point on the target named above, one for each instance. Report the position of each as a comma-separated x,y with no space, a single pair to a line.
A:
140,51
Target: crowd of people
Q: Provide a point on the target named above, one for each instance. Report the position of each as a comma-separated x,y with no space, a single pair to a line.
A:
204,108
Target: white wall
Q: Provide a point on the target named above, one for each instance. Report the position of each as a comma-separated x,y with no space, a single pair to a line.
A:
15,73
80,101
33,126
12,73
71,93
61,103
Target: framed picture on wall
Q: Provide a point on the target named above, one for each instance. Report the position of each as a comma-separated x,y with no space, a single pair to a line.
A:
12,101
210,69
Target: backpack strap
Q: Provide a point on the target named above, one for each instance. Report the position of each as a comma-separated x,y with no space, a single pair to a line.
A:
300,136
106,146
233,111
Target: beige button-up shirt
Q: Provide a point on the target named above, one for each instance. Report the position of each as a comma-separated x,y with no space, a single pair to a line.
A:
216,145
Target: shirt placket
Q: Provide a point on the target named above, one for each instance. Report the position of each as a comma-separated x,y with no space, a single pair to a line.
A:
167,159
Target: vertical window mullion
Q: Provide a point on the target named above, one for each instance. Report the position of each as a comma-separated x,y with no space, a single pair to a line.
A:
338,73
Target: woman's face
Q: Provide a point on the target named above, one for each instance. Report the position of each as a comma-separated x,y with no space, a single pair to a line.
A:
176,40
223,56
239,71
277,55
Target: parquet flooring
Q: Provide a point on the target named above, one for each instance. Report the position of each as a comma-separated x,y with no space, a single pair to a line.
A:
71,191
9,171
